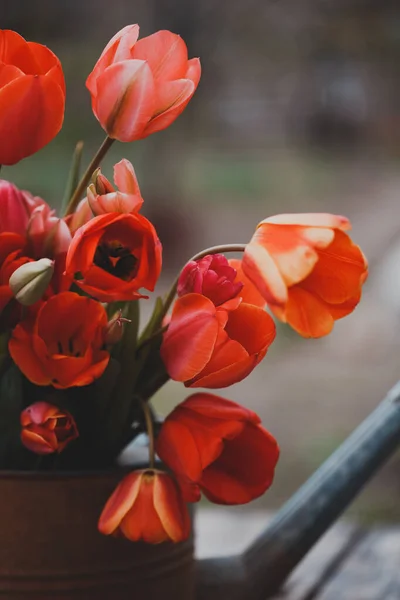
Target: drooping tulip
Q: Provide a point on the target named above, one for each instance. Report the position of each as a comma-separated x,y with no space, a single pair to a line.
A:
217,447
140,87
32,97
147,505
307,269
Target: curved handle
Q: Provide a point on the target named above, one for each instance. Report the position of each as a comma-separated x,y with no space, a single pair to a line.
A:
264,566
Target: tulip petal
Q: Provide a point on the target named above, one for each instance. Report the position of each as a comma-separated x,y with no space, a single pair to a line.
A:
171,100
142,521
125,99
244,470
170,508
306,313
166,54
107,57
186,463
216,407
23,354
125,178
31,114
259,266
120,502
193,71
8,73
252,327
325,220
249,293
339,272
190,339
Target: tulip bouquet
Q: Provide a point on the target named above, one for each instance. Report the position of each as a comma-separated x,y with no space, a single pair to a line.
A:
77,371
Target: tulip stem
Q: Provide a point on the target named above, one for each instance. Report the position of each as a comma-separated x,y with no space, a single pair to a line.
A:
213,250
150,431
82,185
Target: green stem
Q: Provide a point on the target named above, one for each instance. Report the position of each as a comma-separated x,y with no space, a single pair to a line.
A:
213,250
82,185
150,431
147,340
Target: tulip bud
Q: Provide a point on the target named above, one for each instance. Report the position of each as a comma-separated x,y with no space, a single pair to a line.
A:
212,276
30,281
46,428
115,328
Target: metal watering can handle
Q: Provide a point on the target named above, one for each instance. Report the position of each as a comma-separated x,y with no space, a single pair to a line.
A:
264,566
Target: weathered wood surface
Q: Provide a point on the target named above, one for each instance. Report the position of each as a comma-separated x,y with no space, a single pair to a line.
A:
348,563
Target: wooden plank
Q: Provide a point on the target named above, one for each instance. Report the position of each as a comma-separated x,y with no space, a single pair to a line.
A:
371,572
311,573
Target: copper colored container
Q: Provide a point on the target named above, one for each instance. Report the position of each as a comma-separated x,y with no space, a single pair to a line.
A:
50,547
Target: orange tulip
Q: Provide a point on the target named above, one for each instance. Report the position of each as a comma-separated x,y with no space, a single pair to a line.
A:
46,428
307,269
11,257
140,87
147,505
103,198
213,347
219,448
32,97
64,345
114,255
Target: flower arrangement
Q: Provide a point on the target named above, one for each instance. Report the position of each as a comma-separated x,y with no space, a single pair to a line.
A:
77,373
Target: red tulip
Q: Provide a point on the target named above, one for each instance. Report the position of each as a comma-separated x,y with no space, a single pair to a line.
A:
219,448
211,276
64,345
213,347
46,428
307,269
140,87
147,505
114,255
32,97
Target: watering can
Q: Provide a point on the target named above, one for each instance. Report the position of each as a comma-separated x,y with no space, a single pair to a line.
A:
261,570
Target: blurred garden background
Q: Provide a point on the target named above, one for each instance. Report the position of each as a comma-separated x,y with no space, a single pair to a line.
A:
298,109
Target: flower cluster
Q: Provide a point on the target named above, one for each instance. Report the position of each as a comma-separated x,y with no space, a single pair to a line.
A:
70,286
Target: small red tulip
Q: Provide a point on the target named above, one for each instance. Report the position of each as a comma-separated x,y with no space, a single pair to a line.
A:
46,428
307,269
140,87
211,276
219,448
213,347
32,97
147,505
